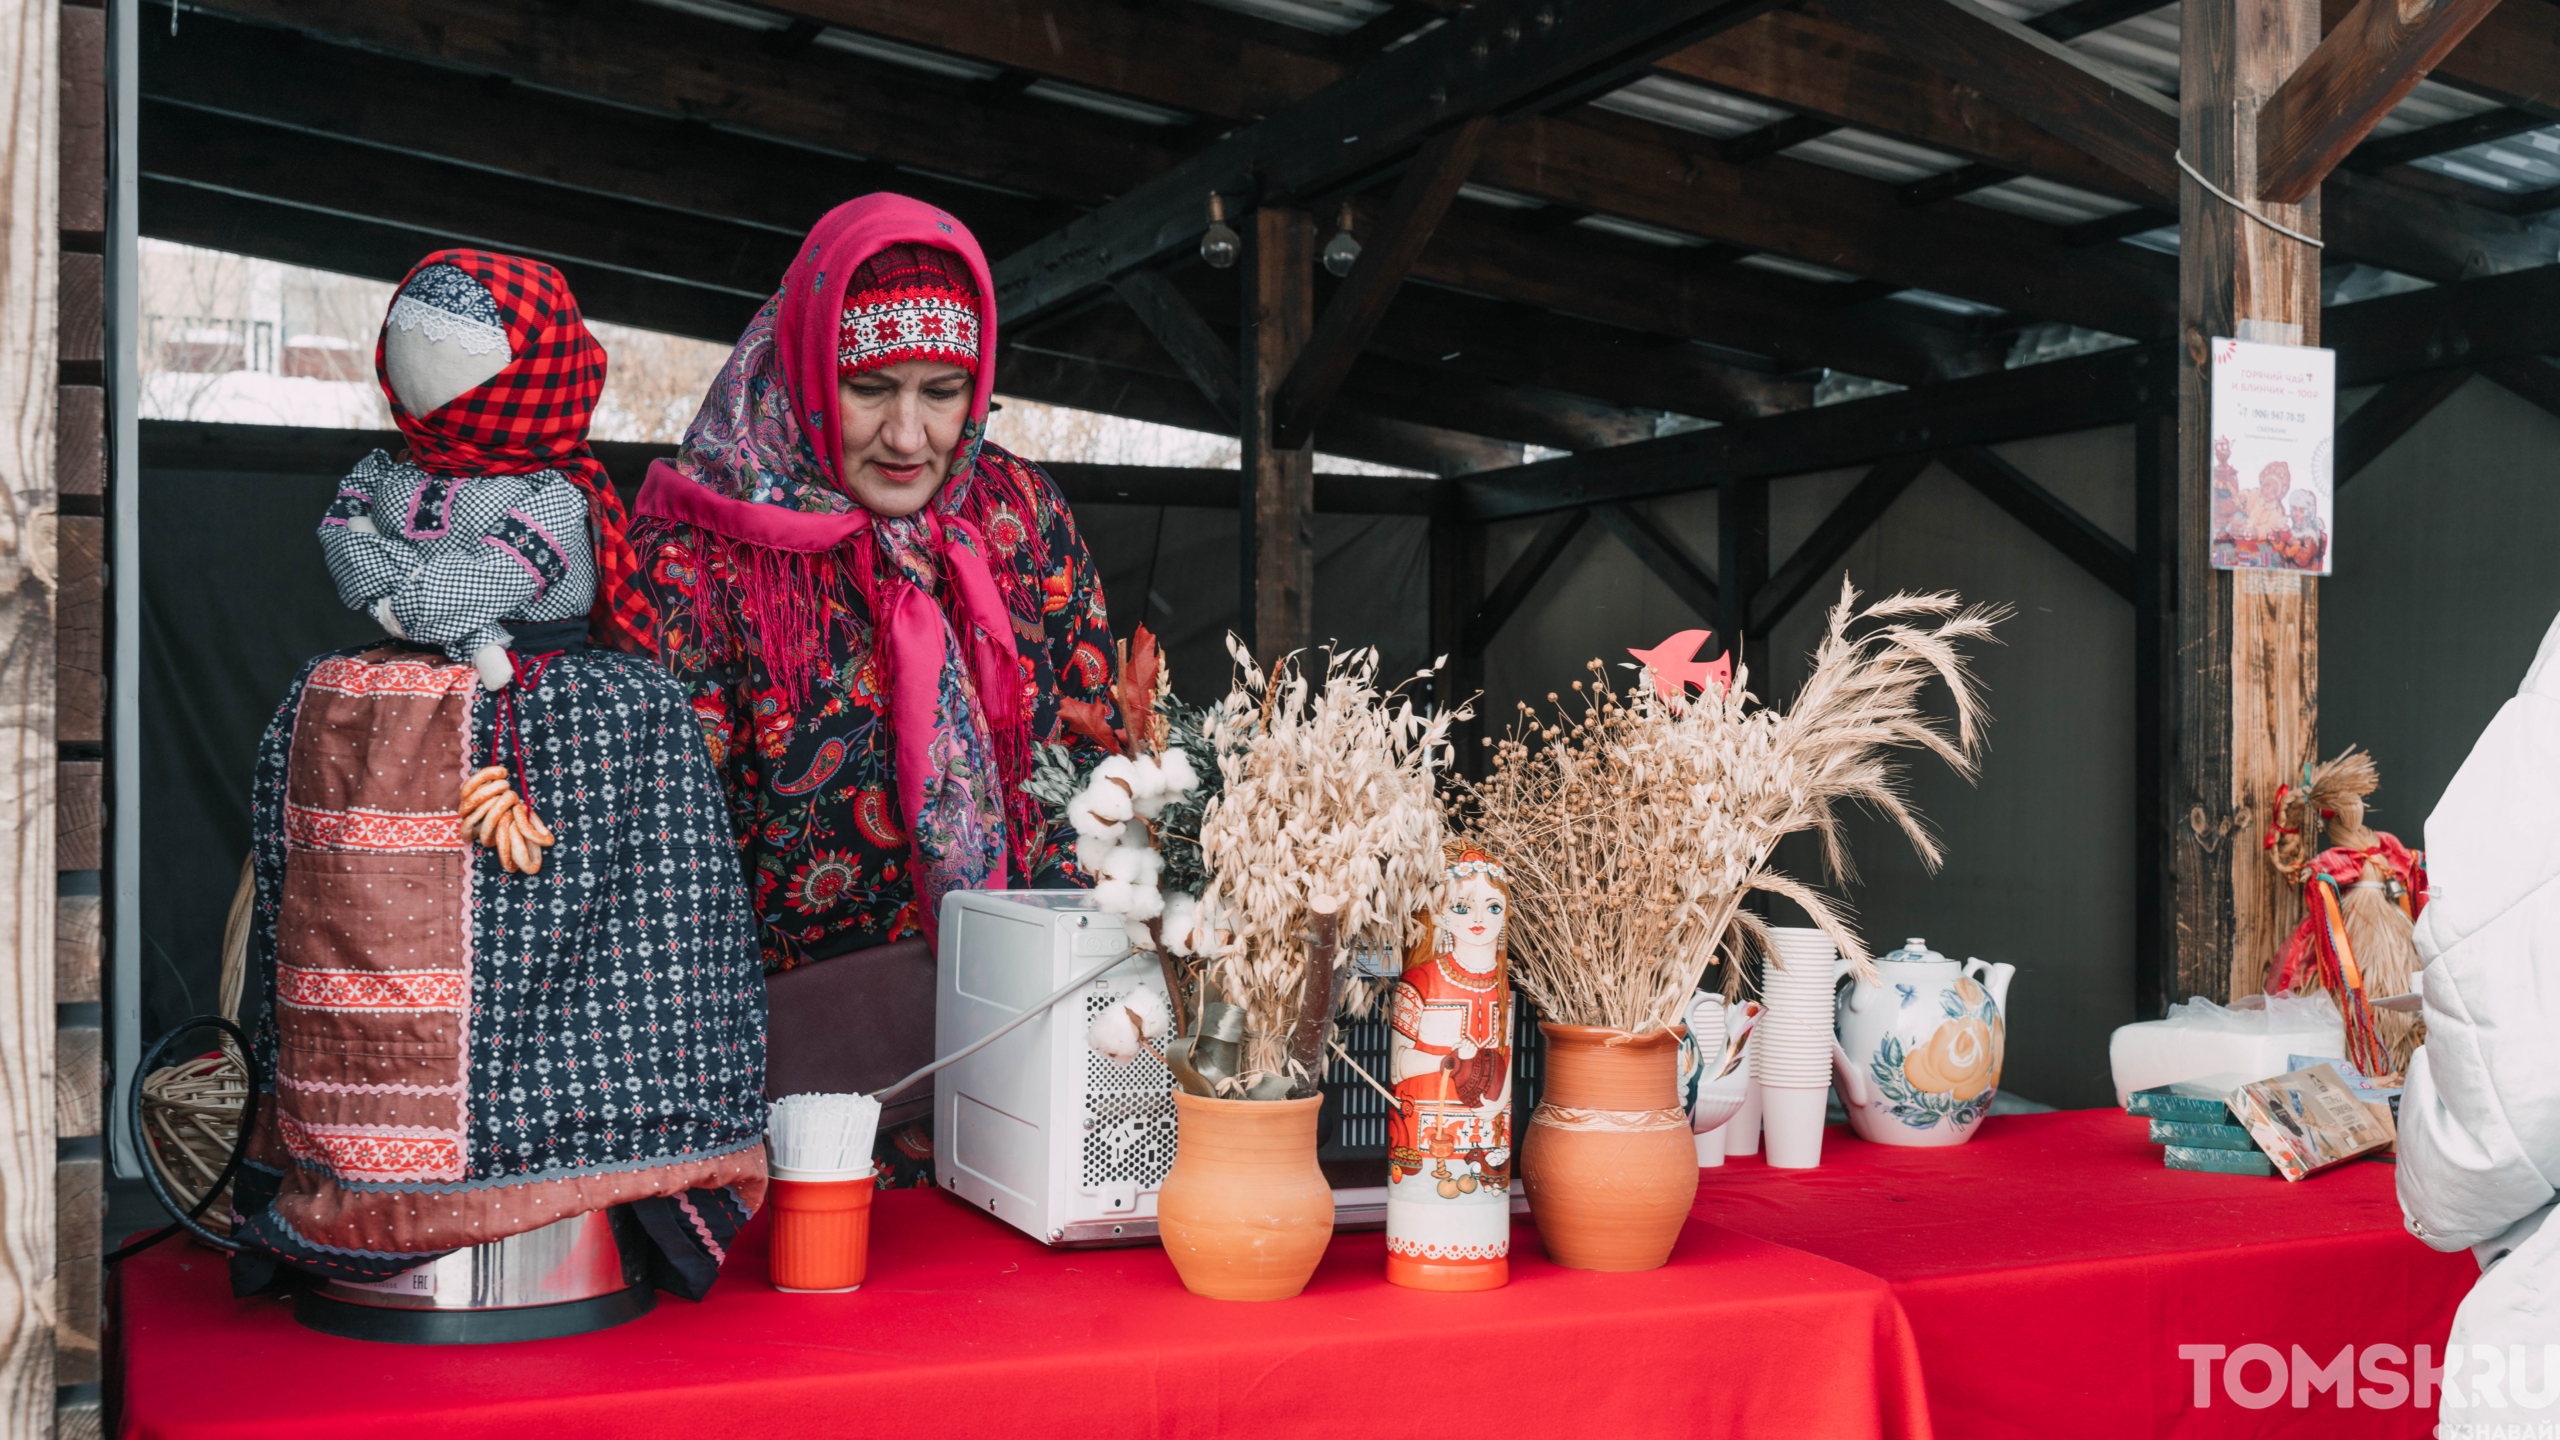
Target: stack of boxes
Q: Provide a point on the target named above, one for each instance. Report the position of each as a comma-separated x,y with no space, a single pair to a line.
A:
2196,1129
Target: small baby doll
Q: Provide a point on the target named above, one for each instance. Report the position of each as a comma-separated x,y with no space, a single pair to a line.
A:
452,560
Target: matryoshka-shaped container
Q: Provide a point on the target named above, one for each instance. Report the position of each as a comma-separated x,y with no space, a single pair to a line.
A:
1449,1058
1920,1050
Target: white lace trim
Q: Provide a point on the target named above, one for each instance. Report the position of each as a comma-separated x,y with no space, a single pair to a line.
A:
477,337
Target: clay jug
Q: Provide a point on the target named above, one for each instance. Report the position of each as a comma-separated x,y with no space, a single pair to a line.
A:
1245,1213
1610,1169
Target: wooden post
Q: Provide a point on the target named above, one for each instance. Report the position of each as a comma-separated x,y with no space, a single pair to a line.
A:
2247,642
30,264
1279,502
1742,569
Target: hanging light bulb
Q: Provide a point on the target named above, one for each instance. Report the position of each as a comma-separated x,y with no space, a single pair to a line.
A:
1343,250
1219,244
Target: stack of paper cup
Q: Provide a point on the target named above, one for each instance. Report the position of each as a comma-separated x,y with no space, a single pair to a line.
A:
1791,1046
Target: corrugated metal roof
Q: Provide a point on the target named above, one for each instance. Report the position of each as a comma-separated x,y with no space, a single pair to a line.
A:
1693,108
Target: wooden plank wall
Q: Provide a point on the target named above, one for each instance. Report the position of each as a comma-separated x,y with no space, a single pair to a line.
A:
30,270
80,469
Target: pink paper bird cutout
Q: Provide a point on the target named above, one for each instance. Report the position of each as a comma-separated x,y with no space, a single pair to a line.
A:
1676,665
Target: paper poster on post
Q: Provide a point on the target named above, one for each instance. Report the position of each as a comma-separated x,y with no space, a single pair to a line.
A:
2274,443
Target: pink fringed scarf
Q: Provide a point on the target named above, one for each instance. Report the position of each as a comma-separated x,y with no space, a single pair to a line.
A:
760,478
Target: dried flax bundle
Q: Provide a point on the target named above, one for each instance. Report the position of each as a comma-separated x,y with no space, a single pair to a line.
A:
1633,830
1325,839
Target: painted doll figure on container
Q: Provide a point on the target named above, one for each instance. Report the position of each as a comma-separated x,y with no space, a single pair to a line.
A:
1449,1171
503,962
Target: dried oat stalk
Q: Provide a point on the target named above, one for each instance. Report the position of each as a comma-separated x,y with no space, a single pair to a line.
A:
1328,801
1633,830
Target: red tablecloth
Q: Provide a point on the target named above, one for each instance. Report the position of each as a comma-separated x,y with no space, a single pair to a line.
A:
2052,1269
966,1328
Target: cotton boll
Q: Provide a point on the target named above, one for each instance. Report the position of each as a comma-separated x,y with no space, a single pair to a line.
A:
1145,902
1121,865
1099,809
1092,850
1118,768
1175,769
1181,912
1114,896
1154,1018
1112,1035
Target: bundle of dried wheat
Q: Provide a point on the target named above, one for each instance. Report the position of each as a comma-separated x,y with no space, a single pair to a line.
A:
1325,838
1633,831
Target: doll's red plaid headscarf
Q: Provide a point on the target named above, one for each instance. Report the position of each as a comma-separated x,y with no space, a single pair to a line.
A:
532,416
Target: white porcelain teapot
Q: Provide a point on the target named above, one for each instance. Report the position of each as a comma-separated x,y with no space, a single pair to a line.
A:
1918,1053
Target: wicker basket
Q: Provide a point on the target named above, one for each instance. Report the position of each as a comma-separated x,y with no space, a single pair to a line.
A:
191,1110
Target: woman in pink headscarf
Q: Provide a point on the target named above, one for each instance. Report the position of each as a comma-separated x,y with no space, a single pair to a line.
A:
876,611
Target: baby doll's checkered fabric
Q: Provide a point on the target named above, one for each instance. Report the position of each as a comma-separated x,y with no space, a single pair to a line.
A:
476,556
533,415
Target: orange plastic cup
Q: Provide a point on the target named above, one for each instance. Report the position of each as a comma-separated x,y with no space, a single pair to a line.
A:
821,1229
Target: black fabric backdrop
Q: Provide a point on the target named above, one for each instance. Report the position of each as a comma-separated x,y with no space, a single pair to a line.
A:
235,599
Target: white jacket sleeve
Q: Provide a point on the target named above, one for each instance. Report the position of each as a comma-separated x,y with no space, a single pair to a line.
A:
2480,1120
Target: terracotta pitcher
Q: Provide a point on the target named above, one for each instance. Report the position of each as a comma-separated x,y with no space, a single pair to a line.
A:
1607,1159
1245,1213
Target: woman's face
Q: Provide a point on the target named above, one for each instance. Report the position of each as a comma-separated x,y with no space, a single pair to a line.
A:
901,425
1475,915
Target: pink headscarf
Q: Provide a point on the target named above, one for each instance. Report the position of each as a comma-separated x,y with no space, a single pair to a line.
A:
762,469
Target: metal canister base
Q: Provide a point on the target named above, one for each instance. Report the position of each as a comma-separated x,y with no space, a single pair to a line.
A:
394,1325
583,1273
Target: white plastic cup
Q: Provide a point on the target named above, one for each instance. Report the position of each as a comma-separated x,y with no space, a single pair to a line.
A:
1792,1116
1711,1147
1742,1132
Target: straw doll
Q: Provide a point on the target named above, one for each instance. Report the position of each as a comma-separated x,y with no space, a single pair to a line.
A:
2364,893
1449,1177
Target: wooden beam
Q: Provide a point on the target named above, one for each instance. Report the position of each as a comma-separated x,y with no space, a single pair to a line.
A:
2512,57
413,107
1277,513
2053,520
1647,289
2080,17
1421,197
2390,413
1475,64
2248,644
1812,562
1444,329
2071,95
1663,555
1814,63
1505,598
1618,165
2377,55
2470,323
618,51
30,369
2378,153
1379,387
328,177
1225,65
2083,393
1204,359
1059,380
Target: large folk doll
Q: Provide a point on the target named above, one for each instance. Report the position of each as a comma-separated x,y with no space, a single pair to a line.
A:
505,967
1449,1175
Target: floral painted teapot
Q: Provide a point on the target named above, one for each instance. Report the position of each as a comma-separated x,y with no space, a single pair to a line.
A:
1918,1053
